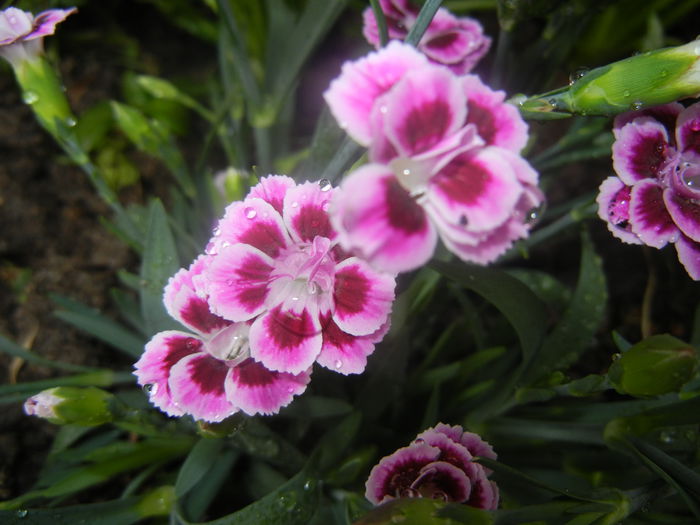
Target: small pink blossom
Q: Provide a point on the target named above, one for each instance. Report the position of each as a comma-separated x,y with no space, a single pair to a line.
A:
21,33
458,43
437,464
654,198
444,162
209,373
274,263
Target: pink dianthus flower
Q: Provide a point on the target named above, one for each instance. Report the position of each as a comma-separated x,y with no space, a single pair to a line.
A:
437,464
444,161
458,43
655,197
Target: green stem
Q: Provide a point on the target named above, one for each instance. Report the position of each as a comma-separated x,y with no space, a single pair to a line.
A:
381,22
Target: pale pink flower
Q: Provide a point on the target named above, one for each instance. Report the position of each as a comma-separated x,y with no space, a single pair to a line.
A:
274,263
444,162
209,373
21,33
458,43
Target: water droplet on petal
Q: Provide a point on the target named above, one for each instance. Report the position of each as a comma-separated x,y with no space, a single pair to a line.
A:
151,389
29,97
325,206
295,298
463,221
22,513
211,249
225,244
217,231
636,105
295,204
383,109
419,441
338,364
325,184
250,213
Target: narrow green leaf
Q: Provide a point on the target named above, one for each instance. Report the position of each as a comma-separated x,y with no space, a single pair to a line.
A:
200,496
94,323
294,503
13,349
423,20
685,480
117,512
160,262
381,22
575,331
199,461
152,137
96,378
317,18
525,312
161,88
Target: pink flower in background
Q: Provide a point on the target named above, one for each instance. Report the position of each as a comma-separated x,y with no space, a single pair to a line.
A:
458,43
21,33
274,264
444,161
654,198
209,373
437,464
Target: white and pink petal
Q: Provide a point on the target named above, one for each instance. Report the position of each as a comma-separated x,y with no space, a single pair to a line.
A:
254,222
362,297
186,301
378,219
353,94
306,211
155,366
649,219
424,107
614,208
342,352
239,282
641,150
256,390
689,256
197,384
478,189
688,131
685,213
497,122
272,190
458,43
286,340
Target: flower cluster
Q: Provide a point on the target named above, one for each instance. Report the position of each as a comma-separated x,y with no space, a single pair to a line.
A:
272,295
458,43
21,33
445,161
654,198
437,464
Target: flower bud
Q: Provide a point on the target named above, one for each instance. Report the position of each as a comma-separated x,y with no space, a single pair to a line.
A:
648,79
67,405
657,365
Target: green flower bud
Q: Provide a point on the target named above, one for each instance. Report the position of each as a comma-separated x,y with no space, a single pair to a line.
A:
69,405
658,365
648,79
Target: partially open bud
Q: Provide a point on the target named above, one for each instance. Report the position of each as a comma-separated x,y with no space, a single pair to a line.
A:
648,79
658,365
68,405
